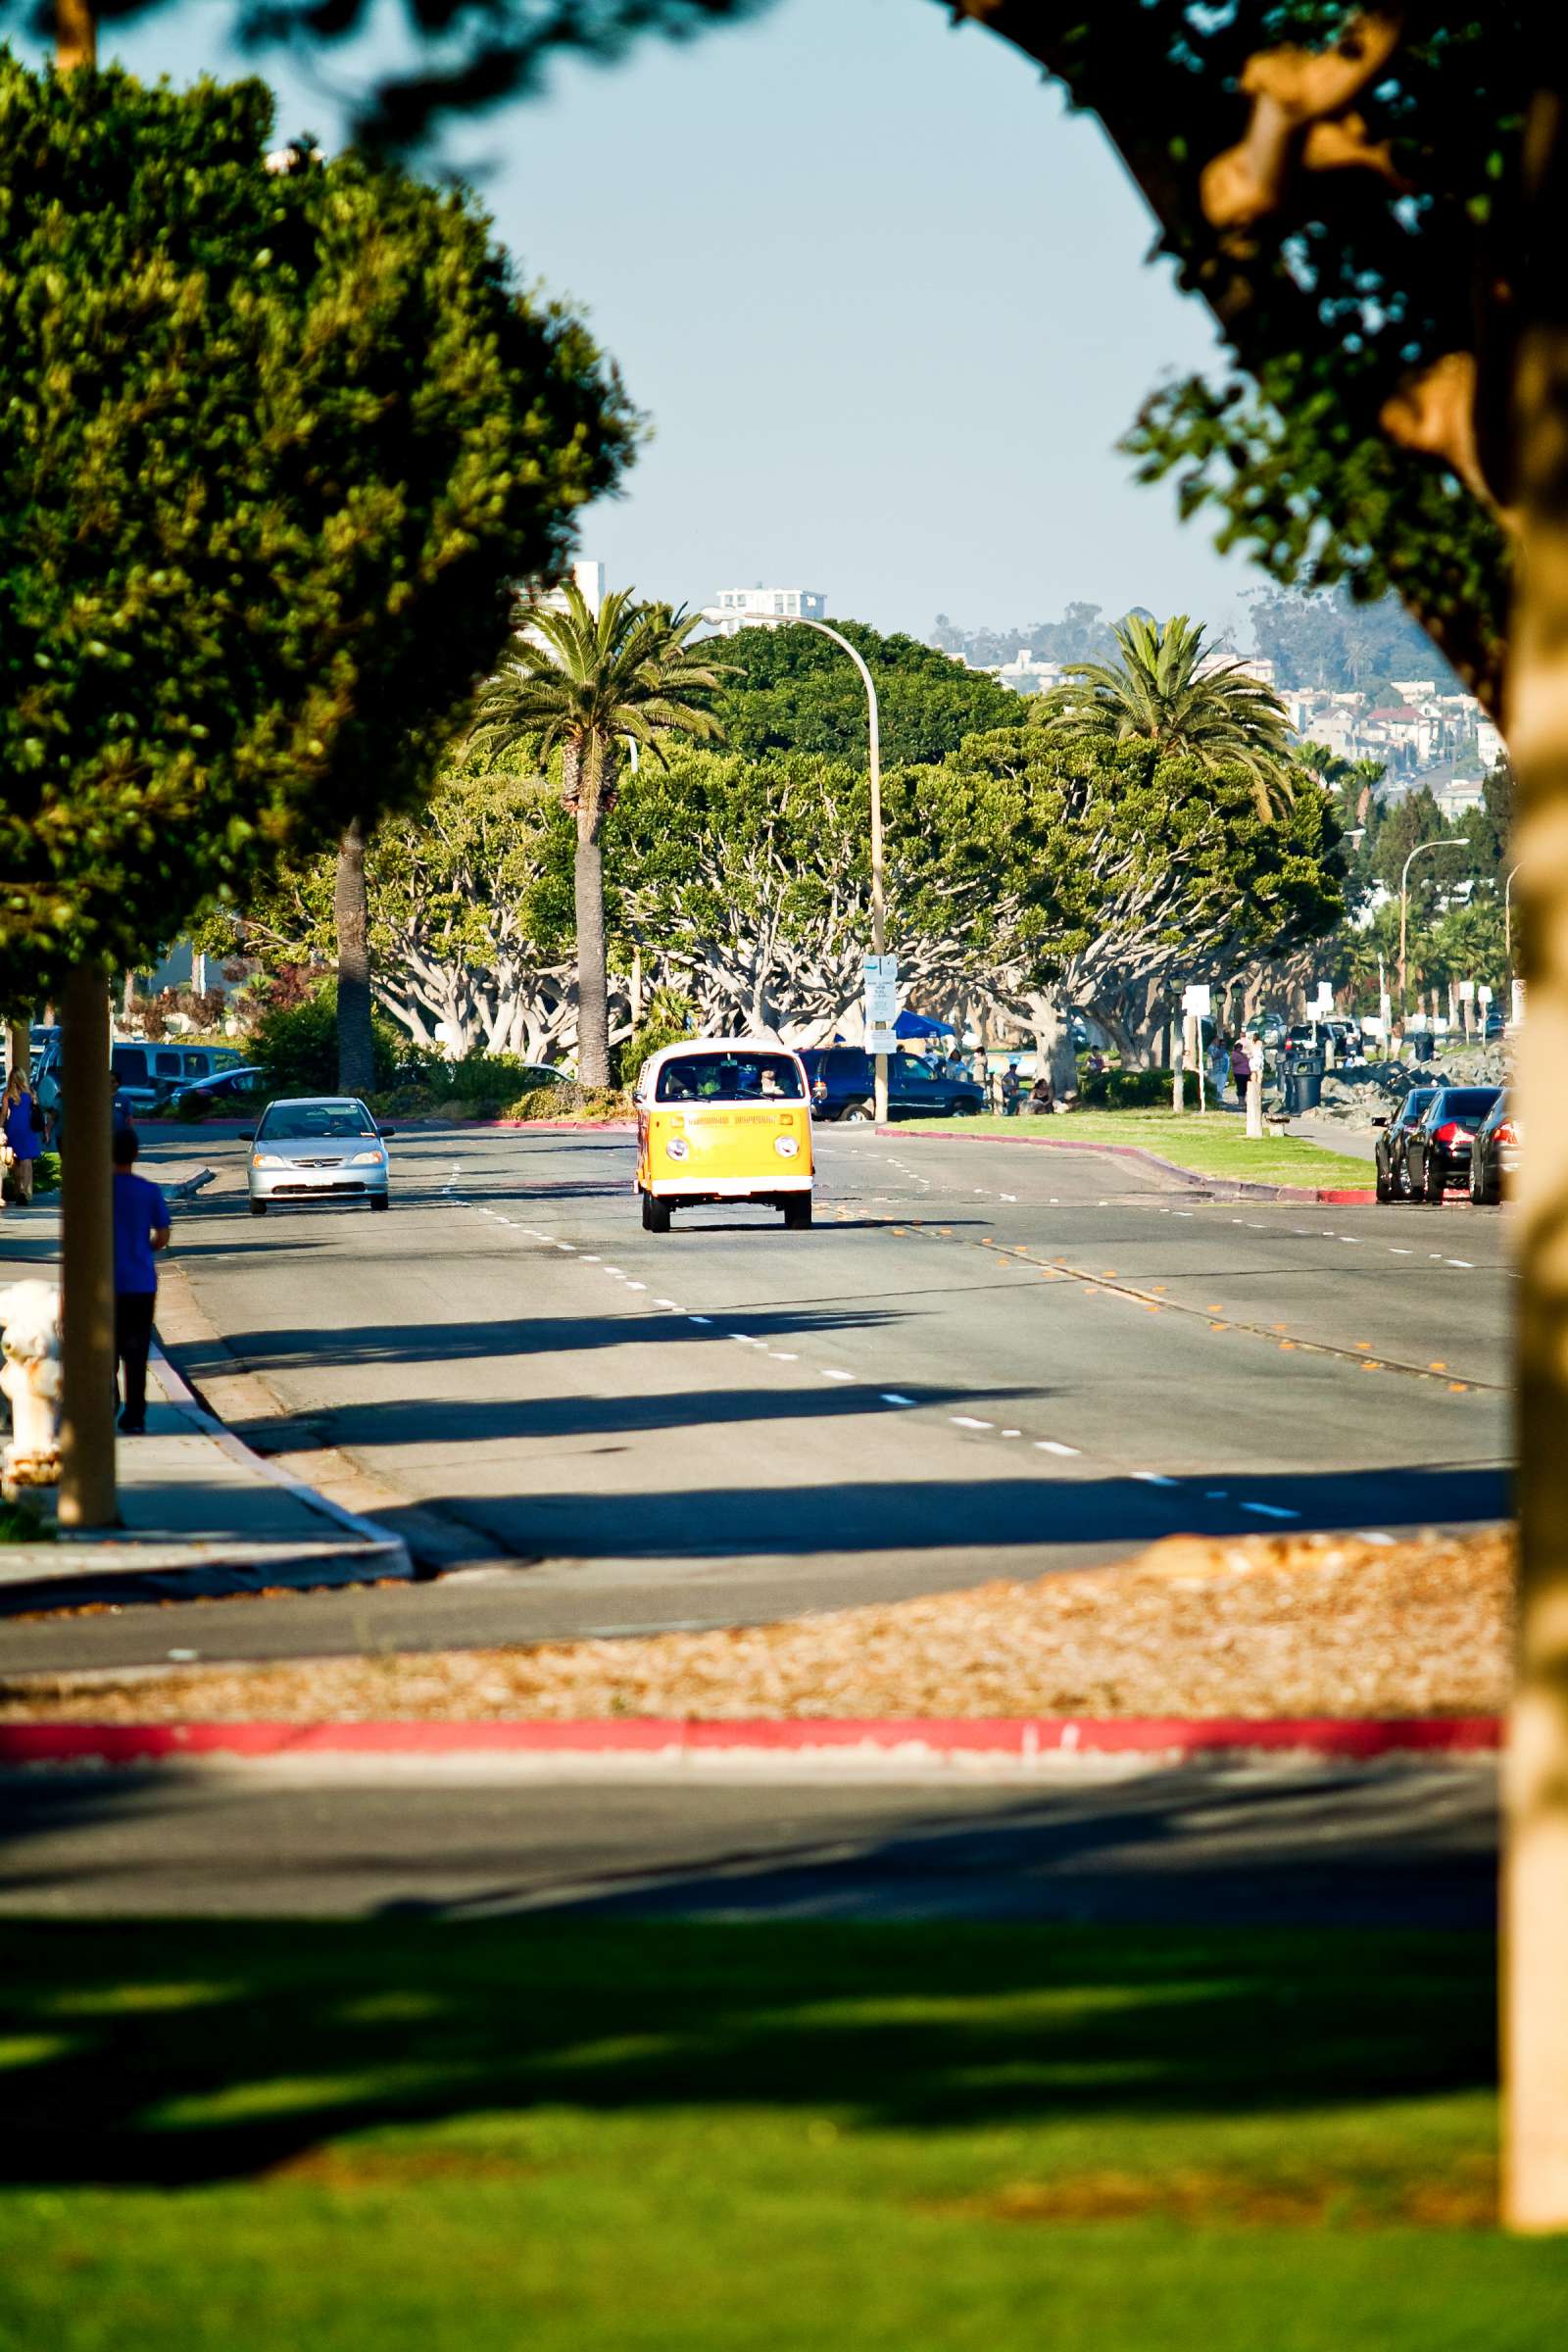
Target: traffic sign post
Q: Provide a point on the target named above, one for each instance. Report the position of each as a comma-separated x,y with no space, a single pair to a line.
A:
880,979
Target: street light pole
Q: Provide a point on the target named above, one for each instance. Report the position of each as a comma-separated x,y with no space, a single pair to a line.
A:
878,894
1454,841
1508,921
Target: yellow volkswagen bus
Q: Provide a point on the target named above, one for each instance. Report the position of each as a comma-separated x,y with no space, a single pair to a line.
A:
724,1118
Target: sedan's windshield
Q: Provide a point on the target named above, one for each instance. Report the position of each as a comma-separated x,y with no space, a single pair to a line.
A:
315,1123
729,1078
1467,1101
1415,1104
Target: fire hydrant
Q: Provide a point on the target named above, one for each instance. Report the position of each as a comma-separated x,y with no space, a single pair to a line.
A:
30,1315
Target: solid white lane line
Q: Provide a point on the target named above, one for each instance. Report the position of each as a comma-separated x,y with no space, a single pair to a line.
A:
1155,1478
892,1396
1270,1510
968,1421
1056,1446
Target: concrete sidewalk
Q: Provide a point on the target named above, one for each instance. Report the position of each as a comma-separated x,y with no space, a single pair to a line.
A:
200,1513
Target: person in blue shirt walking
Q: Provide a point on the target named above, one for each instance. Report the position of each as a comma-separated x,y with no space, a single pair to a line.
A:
22,1133
141,1230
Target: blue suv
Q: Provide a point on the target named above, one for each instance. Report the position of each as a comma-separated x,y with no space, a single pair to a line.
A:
842,1081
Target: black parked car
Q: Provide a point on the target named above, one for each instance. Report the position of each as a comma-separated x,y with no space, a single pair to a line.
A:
1437,1150
1390,1153
1494,1154
842,1080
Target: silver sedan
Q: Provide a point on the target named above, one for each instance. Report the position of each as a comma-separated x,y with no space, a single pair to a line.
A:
318,1147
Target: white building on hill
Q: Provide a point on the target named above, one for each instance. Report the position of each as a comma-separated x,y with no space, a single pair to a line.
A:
732,607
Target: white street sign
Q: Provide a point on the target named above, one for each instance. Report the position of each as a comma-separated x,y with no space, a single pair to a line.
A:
1325,996
879,968
1197,998
881,1004
880,1039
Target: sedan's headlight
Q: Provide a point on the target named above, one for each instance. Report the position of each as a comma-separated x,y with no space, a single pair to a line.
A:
785,1145
367,1159
268,1160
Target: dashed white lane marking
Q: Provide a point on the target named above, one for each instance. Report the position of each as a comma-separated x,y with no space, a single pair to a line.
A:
968,1421
832,1372
783,1355
699,1319
1055,1446
1460,1261
892,1396
1375,1534
1270,1510
674,1302
1012,1433
570,1247
1008,1196
744,1338
1155,1478
636,1286
586,1258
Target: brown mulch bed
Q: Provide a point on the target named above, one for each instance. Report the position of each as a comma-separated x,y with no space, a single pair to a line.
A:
1258,1626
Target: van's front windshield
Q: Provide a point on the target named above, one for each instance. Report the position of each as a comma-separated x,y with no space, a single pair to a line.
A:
730,1078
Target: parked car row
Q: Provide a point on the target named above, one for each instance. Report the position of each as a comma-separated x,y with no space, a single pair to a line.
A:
1443,1138
843,1084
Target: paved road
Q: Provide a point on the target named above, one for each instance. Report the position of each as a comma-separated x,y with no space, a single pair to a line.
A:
1290,1844
987,1358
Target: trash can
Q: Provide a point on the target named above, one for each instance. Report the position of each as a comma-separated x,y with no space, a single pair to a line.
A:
1310,1083
1291,1091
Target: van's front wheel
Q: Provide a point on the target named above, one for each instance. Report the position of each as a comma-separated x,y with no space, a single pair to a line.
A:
655,1214
797,1212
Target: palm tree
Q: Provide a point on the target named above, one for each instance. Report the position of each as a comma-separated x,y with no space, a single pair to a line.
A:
1157,693
587,682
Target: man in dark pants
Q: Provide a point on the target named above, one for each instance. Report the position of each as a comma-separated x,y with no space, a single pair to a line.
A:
141,1229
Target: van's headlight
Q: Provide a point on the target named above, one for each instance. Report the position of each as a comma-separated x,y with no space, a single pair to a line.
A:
785,1145
676,1147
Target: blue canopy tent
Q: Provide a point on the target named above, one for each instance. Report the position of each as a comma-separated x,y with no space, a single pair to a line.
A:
915,1024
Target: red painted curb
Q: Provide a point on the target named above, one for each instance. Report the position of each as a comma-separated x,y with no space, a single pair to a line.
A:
896,1738
1148,1159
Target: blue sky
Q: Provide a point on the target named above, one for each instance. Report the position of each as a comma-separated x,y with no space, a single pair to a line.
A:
884,299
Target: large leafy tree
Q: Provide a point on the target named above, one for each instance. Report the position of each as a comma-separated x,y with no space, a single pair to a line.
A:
585,684
1159,692
792,690
1078,871
273,444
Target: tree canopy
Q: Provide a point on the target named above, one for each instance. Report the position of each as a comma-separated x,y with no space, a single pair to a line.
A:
275,442
795,691
1160,691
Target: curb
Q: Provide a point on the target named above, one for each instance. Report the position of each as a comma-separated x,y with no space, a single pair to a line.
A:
1239,1187
892,1740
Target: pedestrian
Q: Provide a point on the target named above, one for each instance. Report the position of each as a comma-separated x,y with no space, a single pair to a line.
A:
1241,1069
1012,1089
1219,1063
1041,1095
21,1121
141,1230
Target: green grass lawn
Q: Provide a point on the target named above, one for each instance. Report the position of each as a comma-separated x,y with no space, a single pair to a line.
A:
423,2137
1212,1143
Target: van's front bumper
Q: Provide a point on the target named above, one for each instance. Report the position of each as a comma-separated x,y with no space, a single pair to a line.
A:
697,1187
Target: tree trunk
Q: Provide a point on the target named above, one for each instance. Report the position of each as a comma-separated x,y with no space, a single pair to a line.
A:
87,1251
592,994
20,1057
1053,1046
1534,2006
355,1045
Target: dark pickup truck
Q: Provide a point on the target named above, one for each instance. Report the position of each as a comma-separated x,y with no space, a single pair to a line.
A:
842,1081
